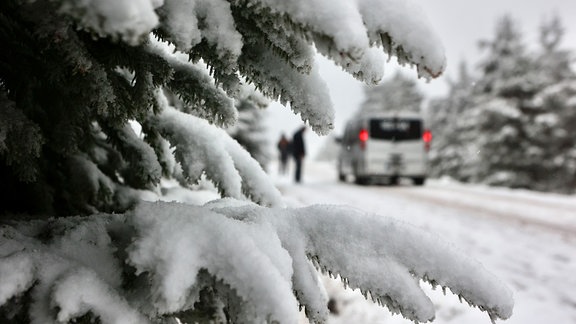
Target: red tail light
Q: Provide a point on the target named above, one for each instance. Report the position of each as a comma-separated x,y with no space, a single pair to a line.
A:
427,138
363,136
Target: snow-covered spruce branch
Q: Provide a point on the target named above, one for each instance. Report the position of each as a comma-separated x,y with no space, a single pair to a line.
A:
12,136
348,28
146,170
369,68
410,38
263,255
344,31
46,262
202,148
307,94
388,258
188,22
194,86
282,37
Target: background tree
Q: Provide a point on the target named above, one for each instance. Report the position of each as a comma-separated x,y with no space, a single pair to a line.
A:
400,93
445,116
503,131
553,113
77,79
507,83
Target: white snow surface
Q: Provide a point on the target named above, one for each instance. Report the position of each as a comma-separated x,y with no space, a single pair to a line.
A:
526,238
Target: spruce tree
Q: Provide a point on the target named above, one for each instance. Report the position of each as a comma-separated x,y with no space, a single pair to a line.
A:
101,101
491,123
450,145
553,114
400,93
508,82
510,127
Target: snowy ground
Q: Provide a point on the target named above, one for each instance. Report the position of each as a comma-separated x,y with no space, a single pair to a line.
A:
527,239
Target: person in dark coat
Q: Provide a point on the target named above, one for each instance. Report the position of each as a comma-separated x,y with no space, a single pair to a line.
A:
284,151
298,151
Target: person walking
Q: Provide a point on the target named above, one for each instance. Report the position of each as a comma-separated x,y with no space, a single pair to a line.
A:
298,151
284,151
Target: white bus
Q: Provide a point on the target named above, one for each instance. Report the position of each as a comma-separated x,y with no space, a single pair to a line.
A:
384,147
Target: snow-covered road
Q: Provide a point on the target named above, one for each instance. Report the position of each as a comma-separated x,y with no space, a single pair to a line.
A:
527,239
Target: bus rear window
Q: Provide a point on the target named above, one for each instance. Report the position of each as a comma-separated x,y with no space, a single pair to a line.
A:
396,129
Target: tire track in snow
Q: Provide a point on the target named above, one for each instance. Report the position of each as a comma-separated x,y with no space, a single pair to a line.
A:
553,212
503,207
564,204
494,206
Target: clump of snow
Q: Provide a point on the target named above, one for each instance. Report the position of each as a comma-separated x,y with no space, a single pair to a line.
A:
409,28
182,22
16,275
247,256
81,291
130,20
220,30
52,267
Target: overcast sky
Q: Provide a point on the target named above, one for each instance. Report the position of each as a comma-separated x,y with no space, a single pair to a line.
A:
460,24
